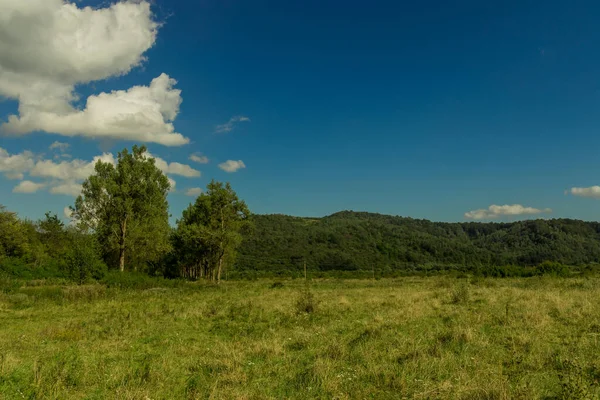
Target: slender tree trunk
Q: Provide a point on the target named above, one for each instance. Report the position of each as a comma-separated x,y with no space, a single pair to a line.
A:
220,269
122,245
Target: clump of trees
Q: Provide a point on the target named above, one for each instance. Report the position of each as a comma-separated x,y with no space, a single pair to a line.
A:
121,221
209,233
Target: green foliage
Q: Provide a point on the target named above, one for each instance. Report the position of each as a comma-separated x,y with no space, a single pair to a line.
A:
138,280
126,206
14,241
18,268
83,259
394,246
210,232
552,268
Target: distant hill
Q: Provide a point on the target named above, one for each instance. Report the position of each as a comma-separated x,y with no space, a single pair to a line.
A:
353,241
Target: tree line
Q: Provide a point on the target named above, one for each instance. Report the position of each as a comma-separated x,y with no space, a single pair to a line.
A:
121,221
358,243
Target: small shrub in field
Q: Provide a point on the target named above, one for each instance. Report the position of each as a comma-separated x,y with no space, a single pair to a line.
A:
306,303
461,294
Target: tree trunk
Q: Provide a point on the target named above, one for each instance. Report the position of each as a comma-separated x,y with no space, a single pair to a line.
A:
122,245
220,269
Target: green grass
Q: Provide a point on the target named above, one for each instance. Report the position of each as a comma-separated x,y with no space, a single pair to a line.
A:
413,338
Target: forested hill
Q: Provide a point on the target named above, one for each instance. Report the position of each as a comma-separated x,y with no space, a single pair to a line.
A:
358,241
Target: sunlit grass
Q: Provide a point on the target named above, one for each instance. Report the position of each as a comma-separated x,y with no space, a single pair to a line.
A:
418,338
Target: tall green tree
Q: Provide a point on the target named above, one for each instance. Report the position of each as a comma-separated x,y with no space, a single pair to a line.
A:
126,207
210,232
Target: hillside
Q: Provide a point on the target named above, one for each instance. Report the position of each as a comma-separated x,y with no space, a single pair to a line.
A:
351,241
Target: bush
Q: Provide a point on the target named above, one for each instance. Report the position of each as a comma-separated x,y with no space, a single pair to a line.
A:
306,303
83,261
553,268
461,294
138,280
18,268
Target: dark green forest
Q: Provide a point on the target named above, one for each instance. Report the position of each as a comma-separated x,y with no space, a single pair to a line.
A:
386,245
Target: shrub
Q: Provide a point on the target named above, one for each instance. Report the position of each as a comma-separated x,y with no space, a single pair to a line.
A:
83,260
138,280
306,303
461,294
553,268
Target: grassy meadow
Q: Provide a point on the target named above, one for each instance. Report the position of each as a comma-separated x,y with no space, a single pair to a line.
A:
407,338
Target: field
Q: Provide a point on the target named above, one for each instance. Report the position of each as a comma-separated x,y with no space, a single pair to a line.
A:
413,338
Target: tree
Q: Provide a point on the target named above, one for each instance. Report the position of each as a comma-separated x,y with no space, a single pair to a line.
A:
13,235
126,207
210,232
53,235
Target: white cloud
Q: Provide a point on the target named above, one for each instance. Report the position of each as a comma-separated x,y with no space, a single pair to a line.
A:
50,46
592,192
16,165
67,188
172,183
230,125
193,192
62,147
200,159
174,168
67,212
28,187
65,176
232,166
69,170
494,211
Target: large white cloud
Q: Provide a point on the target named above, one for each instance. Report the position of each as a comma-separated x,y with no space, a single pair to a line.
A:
16,165
69,170
592,192
495,211
47,47
232,165
66,188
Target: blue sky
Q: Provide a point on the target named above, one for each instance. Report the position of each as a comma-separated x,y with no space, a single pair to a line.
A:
420,109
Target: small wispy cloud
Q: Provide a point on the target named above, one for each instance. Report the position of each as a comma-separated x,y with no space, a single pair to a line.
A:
495,211
67,212
232,165
62,147
591,192
230,125
193,192
199,158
